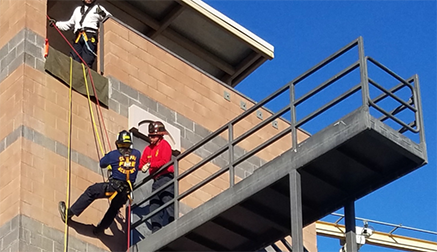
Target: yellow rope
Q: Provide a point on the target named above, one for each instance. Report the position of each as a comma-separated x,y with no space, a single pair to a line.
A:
91,109
68,156
69,144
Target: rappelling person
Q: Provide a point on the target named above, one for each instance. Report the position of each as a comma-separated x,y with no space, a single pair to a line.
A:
124,163
85,23
155,155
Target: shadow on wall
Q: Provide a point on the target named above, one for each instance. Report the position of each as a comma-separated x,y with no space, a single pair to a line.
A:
144,229
109,241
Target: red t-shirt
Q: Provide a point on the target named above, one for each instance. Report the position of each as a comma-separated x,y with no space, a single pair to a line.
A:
157,155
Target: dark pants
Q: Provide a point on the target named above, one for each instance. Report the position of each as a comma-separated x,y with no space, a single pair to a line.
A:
83,50
98,191
160,199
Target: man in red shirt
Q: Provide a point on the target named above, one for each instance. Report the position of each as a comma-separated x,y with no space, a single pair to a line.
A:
157,154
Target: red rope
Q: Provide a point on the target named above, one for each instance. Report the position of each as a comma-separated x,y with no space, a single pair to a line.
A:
91,78
128,228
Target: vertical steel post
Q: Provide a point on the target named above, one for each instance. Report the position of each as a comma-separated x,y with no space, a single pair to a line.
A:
418,104
231,155
176,187
100,45
363,74
293,117
349,219
296,211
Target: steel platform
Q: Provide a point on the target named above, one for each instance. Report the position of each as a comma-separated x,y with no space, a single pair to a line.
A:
346,160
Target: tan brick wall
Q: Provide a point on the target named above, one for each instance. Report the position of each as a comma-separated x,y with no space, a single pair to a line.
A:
10,194
11,99
46,109
19,14
309,239
46,106
36,17
12,19
182,88
11,96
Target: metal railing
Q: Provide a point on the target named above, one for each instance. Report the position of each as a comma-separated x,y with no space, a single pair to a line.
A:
393,227
291,107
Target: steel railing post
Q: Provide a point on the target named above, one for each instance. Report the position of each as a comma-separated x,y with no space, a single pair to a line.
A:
363,74
176,187
293,117
231,155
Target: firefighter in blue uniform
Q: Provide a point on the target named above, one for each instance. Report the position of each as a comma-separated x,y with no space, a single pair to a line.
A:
125,164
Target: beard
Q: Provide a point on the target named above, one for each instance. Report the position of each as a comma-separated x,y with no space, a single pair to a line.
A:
88,4
125,151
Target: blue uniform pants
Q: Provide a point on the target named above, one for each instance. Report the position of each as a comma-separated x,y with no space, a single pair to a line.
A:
99,191
166,216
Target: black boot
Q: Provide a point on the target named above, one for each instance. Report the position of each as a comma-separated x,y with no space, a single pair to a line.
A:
62,208
98,230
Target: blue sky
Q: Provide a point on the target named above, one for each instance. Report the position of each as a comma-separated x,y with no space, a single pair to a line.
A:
399,34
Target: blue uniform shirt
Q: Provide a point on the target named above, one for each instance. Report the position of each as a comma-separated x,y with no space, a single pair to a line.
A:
122,167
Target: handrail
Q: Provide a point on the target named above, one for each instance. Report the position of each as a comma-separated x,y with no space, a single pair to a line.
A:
389,72
386,91
293,125
390,224
327,83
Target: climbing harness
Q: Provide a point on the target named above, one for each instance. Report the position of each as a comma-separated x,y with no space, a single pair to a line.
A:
85,39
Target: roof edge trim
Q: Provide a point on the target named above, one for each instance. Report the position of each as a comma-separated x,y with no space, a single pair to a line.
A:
231,26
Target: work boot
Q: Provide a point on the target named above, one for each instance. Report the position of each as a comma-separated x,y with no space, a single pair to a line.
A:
62,208
98,230
155,229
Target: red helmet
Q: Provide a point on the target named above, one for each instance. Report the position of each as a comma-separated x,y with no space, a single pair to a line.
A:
157,128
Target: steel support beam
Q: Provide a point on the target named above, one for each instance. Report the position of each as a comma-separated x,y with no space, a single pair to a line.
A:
275,219
296,211
167,20
349,219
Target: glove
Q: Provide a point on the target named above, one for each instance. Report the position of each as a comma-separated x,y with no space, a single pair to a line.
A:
100,12
145,167
109,171
52,22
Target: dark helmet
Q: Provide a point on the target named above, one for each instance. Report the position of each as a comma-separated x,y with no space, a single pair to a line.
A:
124,139
157,128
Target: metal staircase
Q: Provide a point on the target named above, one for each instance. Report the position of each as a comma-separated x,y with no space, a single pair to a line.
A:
364,133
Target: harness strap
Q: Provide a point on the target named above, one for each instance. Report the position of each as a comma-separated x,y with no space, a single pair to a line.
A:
111,194
81,33
85,38
84,14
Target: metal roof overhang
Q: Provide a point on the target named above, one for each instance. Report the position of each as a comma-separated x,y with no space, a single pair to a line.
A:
191,29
